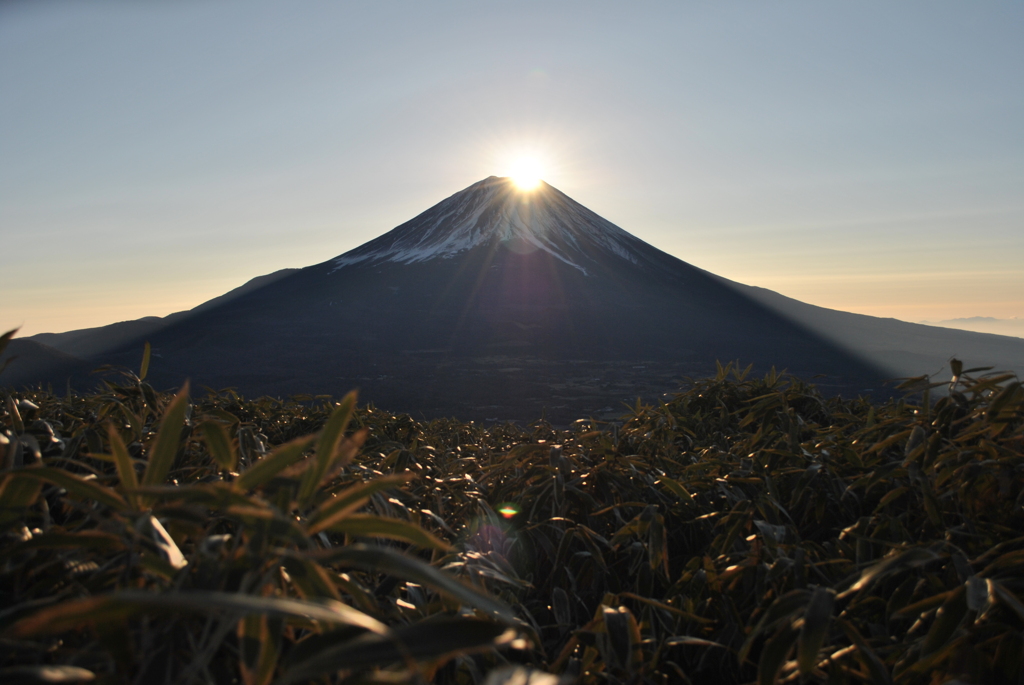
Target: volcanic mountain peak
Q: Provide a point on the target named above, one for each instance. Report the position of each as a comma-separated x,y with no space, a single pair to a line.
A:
494,212
501,303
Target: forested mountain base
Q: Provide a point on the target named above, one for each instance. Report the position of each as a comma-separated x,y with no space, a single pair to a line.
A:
748,530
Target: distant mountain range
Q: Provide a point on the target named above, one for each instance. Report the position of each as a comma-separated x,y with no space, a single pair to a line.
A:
502,304
984,324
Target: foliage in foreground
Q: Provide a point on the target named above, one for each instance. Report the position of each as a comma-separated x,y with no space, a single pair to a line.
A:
745,531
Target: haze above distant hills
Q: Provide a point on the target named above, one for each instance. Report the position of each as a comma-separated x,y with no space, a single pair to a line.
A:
983,324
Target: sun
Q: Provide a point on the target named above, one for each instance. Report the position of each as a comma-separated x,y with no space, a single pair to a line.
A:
525,173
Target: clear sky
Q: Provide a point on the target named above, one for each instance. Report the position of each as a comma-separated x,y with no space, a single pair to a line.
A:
862,156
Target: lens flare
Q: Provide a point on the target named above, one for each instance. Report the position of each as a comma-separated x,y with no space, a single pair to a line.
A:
508,510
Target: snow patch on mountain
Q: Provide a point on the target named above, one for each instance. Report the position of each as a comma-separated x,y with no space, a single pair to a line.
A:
494,212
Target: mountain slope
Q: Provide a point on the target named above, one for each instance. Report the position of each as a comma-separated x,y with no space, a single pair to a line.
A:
25,360
899,347
86,343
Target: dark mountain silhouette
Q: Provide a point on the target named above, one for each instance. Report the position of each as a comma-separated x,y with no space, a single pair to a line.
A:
27,361
495,303
93,342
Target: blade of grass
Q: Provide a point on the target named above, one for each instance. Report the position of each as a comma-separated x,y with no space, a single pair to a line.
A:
814,630
125,467
350,499
269,466
327,447
144,366
68,615
382,560
165,446
219,443
367,525
429,639
75,486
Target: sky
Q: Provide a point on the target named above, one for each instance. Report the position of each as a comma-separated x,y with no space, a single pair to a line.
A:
861,156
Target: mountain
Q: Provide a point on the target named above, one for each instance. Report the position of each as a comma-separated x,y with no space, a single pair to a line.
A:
984,324
899,347
28,361
502,304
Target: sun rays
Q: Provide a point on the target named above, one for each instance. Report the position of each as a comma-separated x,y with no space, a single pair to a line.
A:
525,173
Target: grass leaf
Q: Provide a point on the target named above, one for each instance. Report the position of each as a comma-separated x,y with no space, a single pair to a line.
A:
333,510
144,366
165,447
380,559
217,440
125,465
68,615
327,447
429,639
78,487
814,630
366,525
278,460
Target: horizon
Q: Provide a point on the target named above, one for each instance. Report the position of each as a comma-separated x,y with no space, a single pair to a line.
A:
159,156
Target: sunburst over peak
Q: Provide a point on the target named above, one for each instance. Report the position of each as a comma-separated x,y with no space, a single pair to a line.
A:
525,173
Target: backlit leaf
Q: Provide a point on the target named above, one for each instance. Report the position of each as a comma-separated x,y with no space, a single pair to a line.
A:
380,559
814,630
269,466
144,366
366,525
218,441
344,503
123,462
165,447
327,447
427,639
72,614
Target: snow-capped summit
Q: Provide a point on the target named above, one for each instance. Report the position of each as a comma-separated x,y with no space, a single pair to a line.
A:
494,212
